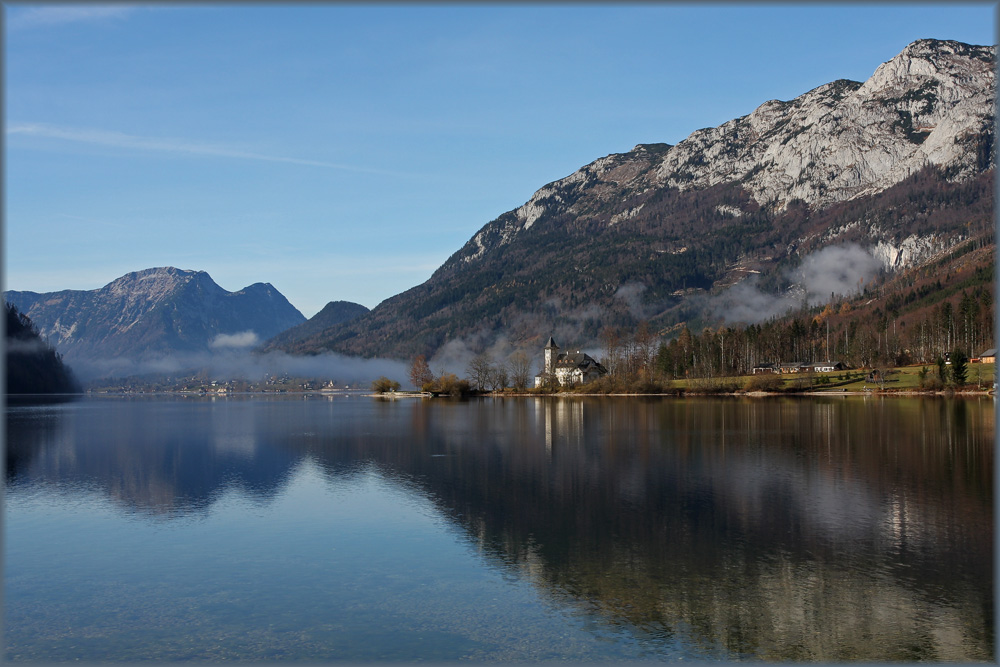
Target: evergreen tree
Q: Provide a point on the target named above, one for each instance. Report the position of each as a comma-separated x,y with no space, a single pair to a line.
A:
942,369
959,367
33,367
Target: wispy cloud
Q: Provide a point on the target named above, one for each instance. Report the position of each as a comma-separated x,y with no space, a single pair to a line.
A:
244,339
63,14
827,272
165,145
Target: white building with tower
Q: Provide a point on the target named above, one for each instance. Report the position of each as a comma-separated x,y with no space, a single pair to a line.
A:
568,368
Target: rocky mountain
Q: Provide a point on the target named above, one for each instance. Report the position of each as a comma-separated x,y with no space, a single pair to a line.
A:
333,313
154,312
899,166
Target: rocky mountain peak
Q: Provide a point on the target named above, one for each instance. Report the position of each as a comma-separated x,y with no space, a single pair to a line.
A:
933,81
154,311
930,105
262,289
153,284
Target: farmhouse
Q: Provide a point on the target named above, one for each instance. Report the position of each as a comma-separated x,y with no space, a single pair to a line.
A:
802,367
568,368
828,366
989,356
792,366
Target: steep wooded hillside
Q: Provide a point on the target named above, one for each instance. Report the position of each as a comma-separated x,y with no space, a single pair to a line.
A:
333,313
32,366
898,167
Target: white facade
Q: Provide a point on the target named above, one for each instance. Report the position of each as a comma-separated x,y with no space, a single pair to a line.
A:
568,368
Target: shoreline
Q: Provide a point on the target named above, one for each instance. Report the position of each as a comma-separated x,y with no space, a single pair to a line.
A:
681,393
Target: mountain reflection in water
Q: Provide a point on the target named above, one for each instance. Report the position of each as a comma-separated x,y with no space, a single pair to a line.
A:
781,529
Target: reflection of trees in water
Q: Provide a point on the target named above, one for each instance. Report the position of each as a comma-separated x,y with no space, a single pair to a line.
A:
816,529
785,529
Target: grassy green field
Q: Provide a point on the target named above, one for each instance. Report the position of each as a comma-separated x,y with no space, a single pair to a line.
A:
903,378
907,378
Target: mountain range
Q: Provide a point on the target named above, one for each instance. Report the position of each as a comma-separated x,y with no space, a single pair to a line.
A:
844,185
154,312
898,168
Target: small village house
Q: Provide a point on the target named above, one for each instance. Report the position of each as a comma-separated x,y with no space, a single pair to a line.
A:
791,366
828,366
801,367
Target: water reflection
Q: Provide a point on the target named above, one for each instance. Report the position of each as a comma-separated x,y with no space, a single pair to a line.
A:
830,530
785,529
160,458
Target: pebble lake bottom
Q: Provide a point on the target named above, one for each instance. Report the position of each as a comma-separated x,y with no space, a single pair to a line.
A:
500,530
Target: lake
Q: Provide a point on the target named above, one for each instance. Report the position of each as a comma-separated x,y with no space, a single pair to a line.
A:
349,528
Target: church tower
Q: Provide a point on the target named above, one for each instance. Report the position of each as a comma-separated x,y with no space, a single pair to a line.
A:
551,354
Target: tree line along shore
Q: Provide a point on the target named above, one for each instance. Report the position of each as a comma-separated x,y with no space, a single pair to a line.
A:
952,373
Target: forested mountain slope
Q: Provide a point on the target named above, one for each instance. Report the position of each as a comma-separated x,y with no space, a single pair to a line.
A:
333,313
898,167
32,366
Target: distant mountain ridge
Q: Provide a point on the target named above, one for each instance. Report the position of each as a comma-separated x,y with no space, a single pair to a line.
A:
900,165
154,312
333,313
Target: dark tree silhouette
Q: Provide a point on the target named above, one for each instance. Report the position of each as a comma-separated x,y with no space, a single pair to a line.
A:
33,367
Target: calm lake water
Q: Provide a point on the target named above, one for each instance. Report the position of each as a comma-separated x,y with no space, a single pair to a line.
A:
356,529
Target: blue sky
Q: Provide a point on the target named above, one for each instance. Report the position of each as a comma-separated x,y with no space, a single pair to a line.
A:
343,152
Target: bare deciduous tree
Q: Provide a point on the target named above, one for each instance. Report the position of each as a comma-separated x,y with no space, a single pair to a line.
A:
519,364
498,376
645,340
479,369
612,342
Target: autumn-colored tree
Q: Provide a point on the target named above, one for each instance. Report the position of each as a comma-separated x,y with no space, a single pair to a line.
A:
420,372
384,385
449,384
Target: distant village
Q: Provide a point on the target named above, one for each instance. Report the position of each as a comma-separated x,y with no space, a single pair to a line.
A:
578,368
558,370
198,384
631,369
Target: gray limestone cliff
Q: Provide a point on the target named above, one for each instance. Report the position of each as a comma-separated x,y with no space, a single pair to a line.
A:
933,104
